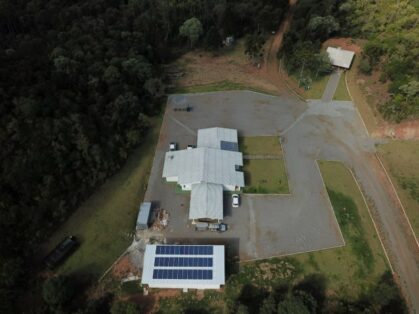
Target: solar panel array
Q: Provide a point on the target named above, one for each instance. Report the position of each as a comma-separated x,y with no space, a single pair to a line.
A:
183,262
184,250
192,274
231,146
175,265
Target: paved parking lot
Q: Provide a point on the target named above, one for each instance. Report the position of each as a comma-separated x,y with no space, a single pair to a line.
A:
264,226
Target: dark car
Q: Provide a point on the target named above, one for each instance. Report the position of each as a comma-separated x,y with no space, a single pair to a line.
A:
61,252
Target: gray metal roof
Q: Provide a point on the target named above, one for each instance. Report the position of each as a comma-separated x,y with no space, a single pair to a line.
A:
143,214
204,165
340,57
206,201
212,137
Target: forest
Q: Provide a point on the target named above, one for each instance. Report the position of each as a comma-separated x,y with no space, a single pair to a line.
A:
79,82
391,28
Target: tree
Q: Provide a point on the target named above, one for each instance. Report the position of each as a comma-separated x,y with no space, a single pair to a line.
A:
212,39
242,309
268,306
191,29
254,46
365,66
322,26
292,305
57,291
120,307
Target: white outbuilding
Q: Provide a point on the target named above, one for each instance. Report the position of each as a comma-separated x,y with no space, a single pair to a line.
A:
209,169
340,57
184,266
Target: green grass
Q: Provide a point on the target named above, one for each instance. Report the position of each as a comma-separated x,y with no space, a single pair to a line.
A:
218,86
341,91
349,272
260,145
104,223
317,88
401,159
264,175
351,269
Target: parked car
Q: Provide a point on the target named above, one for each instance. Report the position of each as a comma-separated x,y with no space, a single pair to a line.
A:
172,146
201,226
190,147
235,200
61,252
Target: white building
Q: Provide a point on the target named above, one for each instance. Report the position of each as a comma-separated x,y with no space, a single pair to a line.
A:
184,266
340,57
206,171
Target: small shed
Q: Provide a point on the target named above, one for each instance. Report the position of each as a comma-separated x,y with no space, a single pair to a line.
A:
340,57
143,216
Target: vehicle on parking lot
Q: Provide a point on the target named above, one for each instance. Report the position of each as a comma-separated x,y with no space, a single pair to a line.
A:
235,200
61,252
172,146
190,147
201,226
204,226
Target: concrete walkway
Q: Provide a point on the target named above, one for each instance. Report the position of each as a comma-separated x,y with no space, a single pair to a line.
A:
331,86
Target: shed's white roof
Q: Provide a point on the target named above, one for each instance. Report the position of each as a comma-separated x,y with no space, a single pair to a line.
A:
184,266
340,57
206,201
212,137
204,165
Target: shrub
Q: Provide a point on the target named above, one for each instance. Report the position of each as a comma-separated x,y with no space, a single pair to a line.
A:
365,66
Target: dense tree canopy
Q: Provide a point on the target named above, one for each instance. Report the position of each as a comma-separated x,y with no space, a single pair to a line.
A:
79,83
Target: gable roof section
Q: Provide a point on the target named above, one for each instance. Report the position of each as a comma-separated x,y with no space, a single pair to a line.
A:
212,137
206,201
204,165
340,57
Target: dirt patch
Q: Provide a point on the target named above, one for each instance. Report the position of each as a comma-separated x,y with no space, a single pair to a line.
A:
124,268
345,43
407,130
202,68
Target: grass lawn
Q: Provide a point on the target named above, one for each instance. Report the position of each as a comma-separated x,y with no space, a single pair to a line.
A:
401,159
348,272
353,268
105,221
218,86
341,91
260,145
264,175
317,88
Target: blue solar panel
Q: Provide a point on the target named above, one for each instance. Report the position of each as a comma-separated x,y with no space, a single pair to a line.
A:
184,250
231,146
191,274
183,262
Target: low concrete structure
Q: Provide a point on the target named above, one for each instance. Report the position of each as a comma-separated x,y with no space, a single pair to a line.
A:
340,57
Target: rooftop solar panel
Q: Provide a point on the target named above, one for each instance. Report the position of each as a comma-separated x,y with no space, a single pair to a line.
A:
184,250
185,274
231,146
